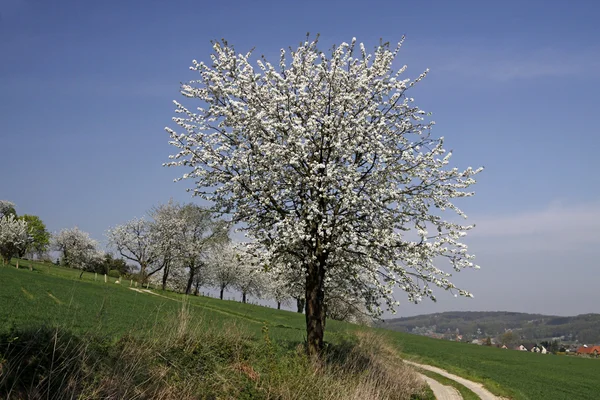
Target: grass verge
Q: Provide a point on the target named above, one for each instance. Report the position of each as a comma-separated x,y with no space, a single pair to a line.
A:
189,361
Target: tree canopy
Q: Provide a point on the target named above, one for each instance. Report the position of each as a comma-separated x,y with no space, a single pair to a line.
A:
40,237
78,249
330,166
14,237
7,208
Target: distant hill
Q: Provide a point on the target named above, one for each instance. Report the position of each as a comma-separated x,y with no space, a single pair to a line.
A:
584,328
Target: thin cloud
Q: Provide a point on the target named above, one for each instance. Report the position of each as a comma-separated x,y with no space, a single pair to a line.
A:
557,227
138,89
506,65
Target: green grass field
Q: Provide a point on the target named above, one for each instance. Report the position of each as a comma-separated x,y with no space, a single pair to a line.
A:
55,296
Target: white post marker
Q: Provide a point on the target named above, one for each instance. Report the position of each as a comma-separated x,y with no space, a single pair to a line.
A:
95,276
104,278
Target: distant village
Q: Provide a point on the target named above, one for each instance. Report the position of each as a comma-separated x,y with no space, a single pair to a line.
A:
510,341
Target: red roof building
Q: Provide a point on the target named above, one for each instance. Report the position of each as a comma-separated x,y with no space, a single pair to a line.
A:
591,350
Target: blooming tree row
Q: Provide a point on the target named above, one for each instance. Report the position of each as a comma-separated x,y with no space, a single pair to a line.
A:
78,249
174,241
185,243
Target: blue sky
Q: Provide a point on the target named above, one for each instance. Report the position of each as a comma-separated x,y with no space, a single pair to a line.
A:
86,89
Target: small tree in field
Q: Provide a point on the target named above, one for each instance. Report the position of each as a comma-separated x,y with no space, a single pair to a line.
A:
166,230
14,237
7,208
199,234
137,241
328,162
251,279
224,269
78,249
40,237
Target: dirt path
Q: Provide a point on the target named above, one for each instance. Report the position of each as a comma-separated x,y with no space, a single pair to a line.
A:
151,292
477,388
441,392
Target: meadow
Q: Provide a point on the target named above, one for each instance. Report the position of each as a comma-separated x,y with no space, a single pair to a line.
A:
54,296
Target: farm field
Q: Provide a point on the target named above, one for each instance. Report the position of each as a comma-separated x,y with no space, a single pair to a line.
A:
55,296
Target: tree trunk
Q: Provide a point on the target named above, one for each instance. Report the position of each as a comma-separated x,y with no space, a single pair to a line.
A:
243,297
315,306
143,276
190,282
166,276
221,294
197,288
279,305
300,305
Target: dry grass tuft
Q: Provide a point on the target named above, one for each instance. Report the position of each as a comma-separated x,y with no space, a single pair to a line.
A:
365,367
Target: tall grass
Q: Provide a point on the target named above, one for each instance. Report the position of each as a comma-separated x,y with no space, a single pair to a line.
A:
187,359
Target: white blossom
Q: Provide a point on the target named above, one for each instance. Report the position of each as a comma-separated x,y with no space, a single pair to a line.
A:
136,241
14,236
6,208
196,232
78,249
251,279
223,265
328,163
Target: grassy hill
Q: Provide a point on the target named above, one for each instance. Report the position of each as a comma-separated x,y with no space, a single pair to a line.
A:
54,296
584,328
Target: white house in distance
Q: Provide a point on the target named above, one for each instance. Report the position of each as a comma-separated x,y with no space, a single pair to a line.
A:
533,348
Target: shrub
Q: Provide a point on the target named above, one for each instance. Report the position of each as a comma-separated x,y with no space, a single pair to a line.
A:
113,273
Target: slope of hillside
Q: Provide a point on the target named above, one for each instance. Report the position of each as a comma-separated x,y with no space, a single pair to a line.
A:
55,296
584,328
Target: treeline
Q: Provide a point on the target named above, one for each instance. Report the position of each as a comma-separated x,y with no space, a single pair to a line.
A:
179,247
584,328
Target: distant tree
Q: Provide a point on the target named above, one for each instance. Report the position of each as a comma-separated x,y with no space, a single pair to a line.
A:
224,267
167,227
137,241
110,263
285,284
7,208
277,289
344,308
199,232
251,279
488,341
40,237
509,338
78,249
14,237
